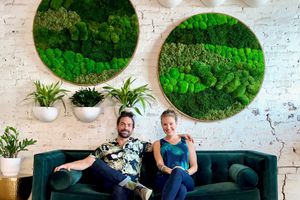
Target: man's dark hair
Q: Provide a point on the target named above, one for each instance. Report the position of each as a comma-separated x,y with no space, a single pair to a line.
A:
126,114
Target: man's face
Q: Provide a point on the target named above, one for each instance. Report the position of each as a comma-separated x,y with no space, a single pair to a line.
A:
125,127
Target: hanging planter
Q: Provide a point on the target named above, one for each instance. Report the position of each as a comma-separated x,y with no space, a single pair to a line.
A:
169,3
255,3
87,114
45,114
86,101
212,3
46,96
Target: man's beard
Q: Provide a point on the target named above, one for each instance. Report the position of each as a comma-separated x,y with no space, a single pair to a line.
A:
124,133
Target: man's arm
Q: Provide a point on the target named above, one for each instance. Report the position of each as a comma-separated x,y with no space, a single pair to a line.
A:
77,165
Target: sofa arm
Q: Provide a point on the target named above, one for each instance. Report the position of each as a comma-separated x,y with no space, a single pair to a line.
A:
43,166
244,176
265,165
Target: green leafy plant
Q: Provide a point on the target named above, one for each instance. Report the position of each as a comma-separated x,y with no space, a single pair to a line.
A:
87,97
129,97
11,145
47,95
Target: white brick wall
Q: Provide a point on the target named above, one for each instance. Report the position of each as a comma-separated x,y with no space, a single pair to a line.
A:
270,124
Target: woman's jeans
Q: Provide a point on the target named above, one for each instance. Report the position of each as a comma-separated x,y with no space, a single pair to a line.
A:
111,180
174,186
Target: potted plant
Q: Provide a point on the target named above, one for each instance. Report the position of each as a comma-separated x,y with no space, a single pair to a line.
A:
212,3
85,102
169,3
10,146
46,96
131,98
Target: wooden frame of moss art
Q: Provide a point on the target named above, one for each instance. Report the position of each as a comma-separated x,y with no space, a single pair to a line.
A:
211,66
86,41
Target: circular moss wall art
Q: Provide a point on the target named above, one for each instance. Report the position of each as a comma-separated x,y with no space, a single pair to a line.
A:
85,41
211,66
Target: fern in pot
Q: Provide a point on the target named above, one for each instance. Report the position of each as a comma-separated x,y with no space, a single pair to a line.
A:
10,146
132,99
87,104
46,96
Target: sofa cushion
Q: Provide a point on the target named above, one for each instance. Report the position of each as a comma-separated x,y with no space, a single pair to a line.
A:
80,191
244,176
63,179
222,191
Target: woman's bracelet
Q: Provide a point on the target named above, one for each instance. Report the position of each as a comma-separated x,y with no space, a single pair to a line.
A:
162,168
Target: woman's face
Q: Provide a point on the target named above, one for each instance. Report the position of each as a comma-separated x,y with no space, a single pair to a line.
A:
168,124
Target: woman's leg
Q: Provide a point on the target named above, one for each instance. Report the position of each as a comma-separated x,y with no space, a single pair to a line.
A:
181,194
172,186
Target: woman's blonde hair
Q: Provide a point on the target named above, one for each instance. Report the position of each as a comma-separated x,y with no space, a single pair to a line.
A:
169,113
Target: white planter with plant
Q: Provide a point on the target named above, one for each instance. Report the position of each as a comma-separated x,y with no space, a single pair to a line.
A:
10,146
127,97
169,3
212,3
255,3
46,96
87,104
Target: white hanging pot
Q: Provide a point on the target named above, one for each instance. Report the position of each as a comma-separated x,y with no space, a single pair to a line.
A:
212,3
255,3
169,3
45,114
10,166
87,114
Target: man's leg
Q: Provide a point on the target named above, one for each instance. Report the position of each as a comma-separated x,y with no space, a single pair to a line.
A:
115,177
100,168
172,186
121,193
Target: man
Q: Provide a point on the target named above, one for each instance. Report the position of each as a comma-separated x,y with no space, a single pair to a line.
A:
118,162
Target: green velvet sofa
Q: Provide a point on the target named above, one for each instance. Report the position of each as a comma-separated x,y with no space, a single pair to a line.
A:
221,175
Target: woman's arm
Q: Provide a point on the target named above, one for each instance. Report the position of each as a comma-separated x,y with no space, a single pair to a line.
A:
77,165
159,160
192,158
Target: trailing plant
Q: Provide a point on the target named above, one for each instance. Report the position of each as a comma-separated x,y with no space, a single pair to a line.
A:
87,97
129,97
11,145
47,95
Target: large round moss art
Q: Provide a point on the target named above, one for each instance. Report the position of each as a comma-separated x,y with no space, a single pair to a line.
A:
85,41
211,66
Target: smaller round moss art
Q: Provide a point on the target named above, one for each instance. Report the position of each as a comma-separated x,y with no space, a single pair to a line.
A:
211,66
85,41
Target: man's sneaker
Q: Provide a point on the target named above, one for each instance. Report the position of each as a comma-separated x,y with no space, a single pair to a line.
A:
143,192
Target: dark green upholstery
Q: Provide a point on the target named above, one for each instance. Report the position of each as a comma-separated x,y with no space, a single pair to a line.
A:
217,177
63,179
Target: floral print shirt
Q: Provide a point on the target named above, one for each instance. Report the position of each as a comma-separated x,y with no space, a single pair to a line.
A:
126,159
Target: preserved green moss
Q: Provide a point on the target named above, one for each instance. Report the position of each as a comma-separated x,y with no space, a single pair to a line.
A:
103,32
211,66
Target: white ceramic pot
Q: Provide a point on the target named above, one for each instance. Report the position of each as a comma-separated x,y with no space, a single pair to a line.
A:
87,114
45,114
212,3
169,3
255,3
10,166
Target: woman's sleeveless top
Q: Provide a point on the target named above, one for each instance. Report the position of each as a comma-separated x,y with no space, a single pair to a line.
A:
175,155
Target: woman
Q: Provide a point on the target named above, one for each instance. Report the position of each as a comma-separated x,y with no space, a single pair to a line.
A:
176,159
